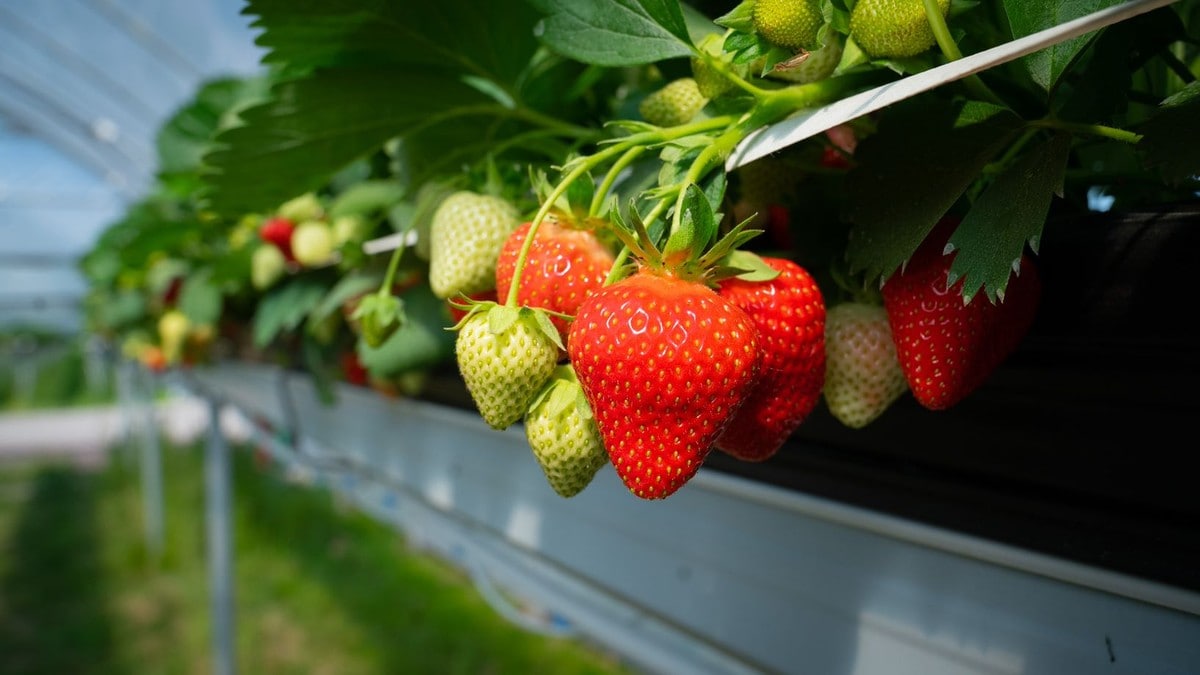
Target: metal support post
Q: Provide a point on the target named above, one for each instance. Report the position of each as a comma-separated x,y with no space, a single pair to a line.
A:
151,472
217,484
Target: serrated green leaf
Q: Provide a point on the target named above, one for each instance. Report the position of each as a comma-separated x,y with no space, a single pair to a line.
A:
1007,216
1169,139
491,40
183,139
285,308
1026,17
912,171
316,125
614,32
200,299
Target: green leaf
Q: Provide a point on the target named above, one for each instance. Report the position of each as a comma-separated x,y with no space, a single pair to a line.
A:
1169,139
200,298
184,139
912,171
351,285
285,308
490,40
697,227
1026,17
314,126
542,319
1008,215
753,267
614,32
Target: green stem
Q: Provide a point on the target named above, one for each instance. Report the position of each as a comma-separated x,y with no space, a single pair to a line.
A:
618,263
623,255
611,177
738,81
945,42
389,280
1103,131
645,138
1176,65
710,156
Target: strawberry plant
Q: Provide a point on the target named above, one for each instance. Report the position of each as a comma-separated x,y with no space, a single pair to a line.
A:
686,203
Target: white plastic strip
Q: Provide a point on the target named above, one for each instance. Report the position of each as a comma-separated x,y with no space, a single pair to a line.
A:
809,123
390,243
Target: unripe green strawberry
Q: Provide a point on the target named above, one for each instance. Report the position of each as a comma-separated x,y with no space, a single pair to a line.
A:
172,329
892,28
312,243
676,103
709,82
862,373
267,265
348,228
792,24
563,434
505,356
818,65
302,208
465,237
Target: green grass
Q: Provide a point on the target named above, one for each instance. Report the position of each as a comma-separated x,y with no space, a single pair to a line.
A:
320,589
59,381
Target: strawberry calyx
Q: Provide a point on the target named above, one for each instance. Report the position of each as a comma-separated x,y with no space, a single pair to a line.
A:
502,317
690,254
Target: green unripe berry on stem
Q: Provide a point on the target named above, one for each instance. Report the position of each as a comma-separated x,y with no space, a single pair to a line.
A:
792,24
892,28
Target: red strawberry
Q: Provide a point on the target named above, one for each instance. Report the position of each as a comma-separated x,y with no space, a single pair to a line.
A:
789,314
948,347
563,266
278,230
353,370
665,363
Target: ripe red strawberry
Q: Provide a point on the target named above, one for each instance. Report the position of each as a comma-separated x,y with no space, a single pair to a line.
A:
862,375
505,356
665,363
562,434
789,314
278,230
948,347
563,266
353,370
